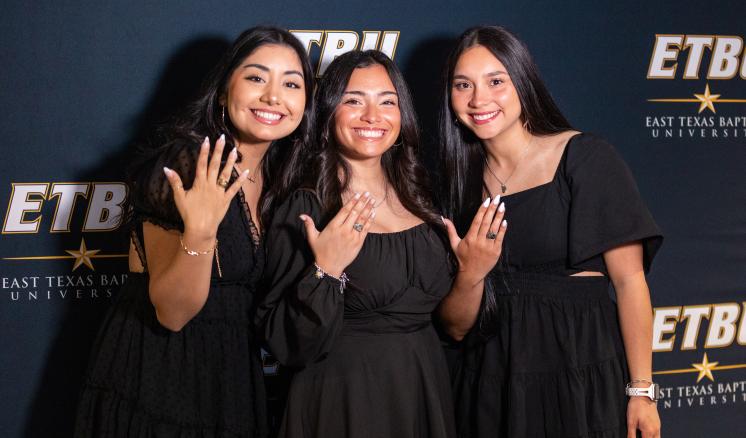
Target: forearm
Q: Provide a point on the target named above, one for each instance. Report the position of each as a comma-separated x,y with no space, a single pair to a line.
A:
460,308
180,288
636,320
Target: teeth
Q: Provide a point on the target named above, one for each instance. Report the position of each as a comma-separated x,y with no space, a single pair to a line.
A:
370,133
484,116
266,115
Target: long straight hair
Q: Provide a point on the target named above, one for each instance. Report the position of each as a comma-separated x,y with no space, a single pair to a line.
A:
329,174
462,154
204,116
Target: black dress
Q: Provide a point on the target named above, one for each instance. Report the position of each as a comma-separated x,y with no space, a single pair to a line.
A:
369,362
549,360
203,381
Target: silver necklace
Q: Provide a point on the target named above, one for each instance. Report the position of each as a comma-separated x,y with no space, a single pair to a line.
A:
504,184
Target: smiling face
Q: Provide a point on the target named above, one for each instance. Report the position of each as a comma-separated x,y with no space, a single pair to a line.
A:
367,120
265,96
482,94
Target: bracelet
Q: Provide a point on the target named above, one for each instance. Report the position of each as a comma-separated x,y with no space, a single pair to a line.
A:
192,252
320,273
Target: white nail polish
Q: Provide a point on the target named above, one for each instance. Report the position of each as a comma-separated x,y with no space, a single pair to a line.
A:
357,196
496,200
372,214
167,170
234,151
501,208
486,202
222,137
366,194
505,224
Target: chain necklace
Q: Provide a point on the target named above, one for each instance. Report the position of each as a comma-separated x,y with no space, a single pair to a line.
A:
504,184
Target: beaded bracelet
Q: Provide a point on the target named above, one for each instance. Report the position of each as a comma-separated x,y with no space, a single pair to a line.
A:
342,279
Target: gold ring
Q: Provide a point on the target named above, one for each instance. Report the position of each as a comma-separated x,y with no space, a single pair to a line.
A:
222,182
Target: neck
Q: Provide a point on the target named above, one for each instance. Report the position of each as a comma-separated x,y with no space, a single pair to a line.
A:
507,148
366,175
252,152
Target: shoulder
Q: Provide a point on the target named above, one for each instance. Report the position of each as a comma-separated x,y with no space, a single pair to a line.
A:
300,201
588,149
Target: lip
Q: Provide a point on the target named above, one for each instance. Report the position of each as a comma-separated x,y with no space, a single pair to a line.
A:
361,133
267,117
484,117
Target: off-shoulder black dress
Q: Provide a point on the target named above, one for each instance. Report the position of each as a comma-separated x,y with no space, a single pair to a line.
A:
369,362
204,381
550,362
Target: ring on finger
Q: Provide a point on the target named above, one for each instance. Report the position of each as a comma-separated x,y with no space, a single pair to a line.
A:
358,227
491,235
222,182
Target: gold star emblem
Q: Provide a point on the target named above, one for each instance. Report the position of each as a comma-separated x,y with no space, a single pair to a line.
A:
707,100
83,255
705,369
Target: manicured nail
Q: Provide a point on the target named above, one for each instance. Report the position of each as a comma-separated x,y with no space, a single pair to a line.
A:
366,194
222,137
234,152
486,202
167,171
245,173
206,143
206,140
357,196
302,217
501,208
372,200
496,200
372,214
504,224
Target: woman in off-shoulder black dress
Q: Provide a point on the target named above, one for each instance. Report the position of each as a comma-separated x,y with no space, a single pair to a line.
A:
349,308
177,355
546,352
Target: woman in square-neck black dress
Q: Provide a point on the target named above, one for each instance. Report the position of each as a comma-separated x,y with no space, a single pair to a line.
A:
544,354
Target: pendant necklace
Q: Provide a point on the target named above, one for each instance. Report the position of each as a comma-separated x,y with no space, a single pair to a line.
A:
504,184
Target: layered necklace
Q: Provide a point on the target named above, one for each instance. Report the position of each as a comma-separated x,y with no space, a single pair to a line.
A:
504,184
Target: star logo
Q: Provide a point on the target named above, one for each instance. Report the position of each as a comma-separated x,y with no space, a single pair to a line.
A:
83,255
705,369
708,100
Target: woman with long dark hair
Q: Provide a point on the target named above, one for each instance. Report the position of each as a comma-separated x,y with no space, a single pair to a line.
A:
177,354
349,307
546,352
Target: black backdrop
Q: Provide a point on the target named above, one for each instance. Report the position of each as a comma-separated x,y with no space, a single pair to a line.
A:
80,81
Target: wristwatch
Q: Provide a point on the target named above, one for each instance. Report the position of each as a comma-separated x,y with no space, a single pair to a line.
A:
650,392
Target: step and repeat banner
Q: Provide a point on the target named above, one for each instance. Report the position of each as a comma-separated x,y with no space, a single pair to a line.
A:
80,83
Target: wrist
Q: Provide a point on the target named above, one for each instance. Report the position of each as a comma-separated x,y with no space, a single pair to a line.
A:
196,237
469,279
329,269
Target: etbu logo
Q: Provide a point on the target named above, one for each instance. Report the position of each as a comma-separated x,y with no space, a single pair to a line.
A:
104,211
336,42
726,56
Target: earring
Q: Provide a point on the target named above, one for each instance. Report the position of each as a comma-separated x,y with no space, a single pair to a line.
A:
222,106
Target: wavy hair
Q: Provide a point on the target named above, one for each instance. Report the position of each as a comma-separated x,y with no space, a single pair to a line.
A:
204,117
329,174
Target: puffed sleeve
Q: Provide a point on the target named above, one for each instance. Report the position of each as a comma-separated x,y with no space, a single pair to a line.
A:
301,315
606,209
153,199
433,264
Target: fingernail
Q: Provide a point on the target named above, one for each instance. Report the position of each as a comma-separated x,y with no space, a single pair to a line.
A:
501,208
366,194
442,219
206,140
486,202
302,217
357,196
504,224
496,200
206,143
167,171
372,200
234,152
372,214
222,137
245,172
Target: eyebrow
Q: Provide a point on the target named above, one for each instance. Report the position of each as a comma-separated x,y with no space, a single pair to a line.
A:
362,93
494,73
266,69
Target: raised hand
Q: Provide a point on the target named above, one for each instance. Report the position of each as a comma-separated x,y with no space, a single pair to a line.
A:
340,242
477,253
204,205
